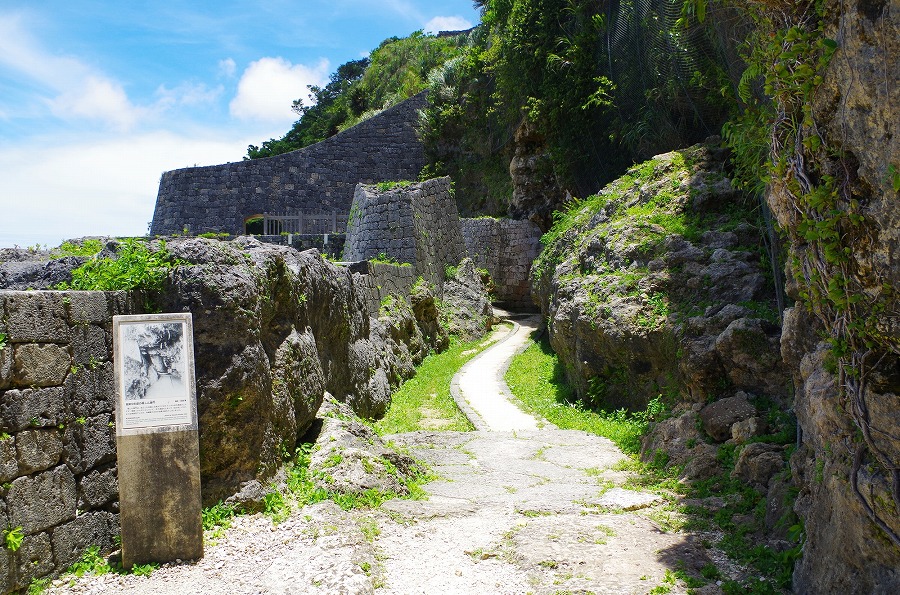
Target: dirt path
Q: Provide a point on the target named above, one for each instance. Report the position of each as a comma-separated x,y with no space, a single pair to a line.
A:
522,511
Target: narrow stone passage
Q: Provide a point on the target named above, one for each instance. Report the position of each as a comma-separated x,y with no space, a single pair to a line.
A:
520,507
481,392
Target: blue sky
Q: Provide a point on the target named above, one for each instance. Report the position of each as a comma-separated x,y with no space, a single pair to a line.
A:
98,98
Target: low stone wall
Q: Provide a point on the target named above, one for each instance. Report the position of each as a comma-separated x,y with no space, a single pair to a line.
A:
506,248
382,280
57,447
417,224
322,176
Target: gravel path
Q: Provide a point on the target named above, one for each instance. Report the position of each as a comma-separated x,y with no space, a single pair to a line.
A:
522,511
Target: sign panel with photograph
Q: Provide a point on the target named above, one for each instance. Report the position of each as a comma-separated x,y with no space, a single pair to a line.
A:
154,371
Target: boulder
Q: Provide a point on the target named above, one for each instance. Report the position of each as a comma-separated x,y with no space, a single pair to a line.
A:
750,351
720,416
757,463
467,308
350,458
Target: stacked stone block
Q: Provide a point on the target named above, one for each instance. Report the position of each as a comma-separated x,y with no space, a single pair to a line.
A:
506,248
319,177
416,224
57,428
379,280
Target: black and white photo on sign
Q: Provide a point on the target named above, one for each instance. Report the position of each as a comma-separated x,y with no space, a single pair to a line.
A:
153,356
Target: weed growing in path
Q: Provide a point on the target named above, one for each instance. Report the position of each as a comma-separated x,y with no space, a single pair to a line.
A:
535,377
424,402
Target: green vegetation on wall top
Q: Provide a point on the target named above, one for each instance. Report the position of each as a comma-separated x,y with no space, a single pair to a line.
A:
136,266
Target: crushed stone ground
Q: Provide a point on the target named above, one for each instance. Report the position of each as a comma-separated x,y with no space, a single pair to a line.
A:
523,511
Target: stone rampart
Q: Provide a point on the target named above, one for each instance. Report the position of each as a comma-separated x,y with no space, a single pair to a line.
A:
57,428
506,248
416,224
320,177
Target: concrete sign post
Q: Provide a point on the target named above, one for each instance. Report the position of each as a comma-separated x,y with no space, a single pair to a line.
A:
157,441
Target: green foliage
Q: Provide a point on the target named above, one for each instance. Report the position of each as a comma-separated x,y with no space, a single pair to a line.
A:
426,396
536,379
276,506
218,515
214,235
12,538
386,186
84,248
894,177
2,341
144,569
136,266
603,84
383,258
91,562
396,70
39,585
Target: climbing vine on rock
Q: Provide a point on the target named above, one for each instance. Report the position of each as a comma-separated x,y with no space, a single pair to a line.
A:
813,186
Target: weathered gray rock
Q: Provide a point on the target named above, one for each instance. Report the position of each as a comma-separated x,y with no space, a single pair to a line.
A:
56,489
97,488
37,274
350,458
750,351
757,463
9,466
40,365
719,417
41,407
744,430
38,450
635,307
274,329
704,463
467,309
90,529
33,559
536,190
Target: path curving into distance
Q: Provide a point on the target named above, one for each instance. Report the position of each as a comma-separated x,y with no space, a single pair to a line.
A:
481,392
518,506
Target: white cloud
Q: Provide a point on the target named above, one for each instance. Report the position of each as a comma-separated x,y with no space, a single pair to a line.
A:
95,97
227,68
107,185
187,94
438,24
269,86
77,91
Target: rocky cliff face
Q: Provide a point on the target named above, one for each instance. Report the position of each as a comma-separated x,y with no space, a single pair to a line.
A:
842,341
274,329
656,286
536,190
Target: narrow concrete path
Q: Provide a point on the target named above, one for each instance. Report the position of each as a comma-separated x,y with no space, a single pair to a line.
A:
482,394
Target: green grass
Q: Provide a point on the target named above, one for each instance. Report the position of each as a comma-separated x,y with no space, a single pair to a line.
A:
535,377
424,402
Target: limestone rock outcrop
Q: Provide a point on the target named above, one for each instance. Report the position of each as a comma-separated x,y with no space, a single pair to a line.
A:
656,285
274,329
848,389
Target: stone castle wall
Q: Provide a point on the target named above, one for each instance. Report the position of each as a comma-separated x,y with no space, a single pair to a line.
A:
506,248
57,428
417,224
320,177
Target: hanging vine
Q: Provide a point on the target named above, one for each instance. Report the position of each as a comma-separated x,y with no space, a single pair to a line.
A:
788,56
